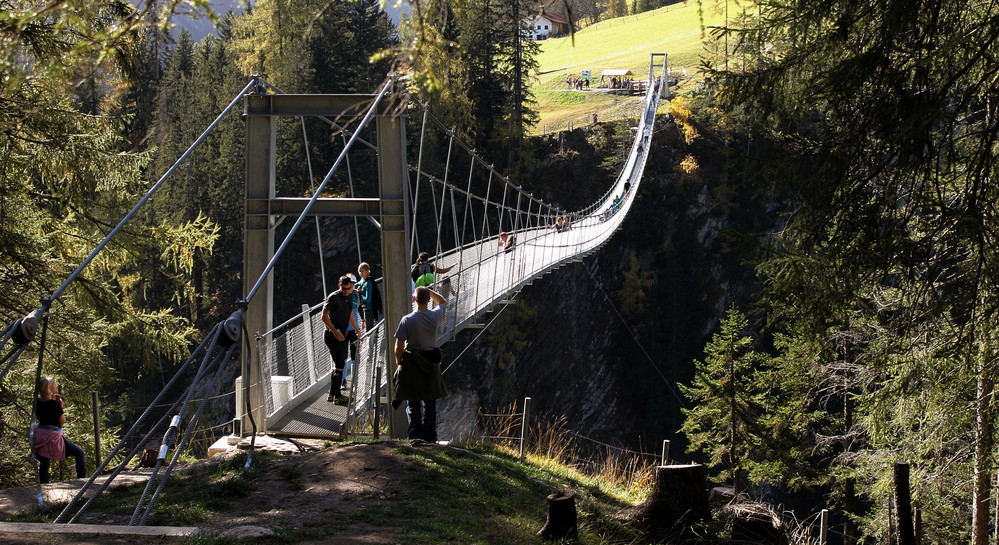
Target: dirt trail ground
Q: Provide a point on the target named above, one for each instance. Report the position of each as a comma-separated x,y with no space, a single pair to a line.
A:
296,491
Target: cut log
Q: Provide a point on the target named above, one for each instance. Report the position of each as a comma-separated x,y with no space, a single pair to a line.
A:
561,517
149,456
679,500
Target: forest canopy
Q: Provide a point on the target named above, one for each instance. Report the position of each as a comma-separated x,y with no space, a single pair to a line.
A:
875,124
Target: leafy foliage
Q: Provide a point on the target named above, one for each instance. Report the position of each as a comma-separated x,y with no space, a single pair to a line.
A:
67,177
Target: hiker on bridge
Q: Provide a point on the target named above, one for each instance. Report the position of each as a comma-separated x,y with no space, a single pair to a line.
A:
338,314
418,379
48,442
371,297
423,273
352,335
506,242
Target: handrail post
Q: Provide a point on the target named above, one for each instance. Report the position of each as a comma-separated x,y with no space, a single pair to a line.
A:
310,346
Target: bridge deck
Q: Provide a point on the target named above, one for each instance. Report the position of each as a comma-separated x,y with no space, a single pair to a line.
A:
313,416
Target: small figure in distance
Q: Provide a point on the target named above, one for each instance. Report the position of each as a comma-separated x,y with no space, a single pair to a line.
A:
423,273
49,443
418,380
506,241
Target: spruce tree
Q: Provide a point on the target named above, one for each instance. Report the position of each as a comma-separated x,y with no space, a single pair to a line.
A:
67,177
726,397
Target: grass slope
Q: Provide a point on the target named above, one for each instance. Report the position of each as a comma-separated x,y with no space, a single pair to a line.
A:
377,493
625,42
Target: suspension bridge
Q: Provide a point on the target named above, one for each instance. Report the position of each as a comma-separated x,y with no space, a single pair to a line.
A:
286,370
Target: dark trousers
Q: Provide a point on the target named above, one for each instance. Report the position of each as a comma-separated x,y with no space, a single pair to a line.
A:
71,450
422,420
338,351
370,316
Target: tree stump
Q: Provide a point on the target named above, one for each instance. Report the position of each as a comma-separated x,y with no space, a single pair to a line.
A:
679,500
561,517
149,457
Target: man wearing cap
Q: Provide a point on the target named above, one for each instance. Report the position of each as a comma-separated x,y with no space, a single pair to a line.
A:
338,315
418,378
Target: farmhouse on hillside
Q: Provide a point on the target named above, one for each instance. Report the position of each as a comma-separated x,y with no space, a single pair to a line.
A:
544,25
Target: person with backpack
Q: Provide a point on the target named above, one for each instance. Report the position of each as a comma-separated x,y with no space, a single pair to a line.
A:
423,272
48,442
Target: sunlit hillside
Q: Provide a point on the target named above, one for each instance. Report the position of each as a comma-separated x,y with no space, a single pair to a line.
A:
680,30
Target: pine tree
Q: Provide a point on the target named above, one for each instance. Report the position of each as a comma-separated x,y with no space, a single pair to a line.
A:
723,422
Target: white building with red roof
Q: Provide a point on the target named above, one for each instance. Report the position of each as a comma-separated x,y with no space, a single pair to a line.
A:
545,24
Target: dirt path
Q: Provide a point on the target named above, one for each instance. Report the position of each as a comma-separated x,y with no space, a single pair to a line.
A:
297,491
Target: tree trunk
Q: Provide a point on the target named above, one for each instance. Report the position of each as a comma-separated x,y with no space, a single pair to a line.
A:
849,485
561,517
732,437
984,430
678,501
903,505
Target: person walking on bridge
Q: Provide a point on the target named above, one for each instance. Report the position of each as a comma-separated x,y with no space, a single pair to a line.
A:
338,314
418,378
423,273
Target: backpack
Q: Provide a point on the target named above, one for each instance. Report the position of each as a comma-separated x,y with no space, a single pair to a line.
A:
423,275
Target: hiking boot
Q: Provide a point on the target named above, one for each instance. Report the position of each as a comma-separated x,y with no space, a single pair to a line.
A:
341,400
331,398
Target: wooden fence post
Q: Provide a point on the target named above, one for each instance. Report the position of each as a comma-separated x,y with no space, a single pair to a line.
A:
524,426
823,526
97,430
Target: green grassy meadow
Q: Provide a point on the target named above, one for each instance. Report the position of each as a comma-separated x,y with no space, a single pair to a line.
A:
626,42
